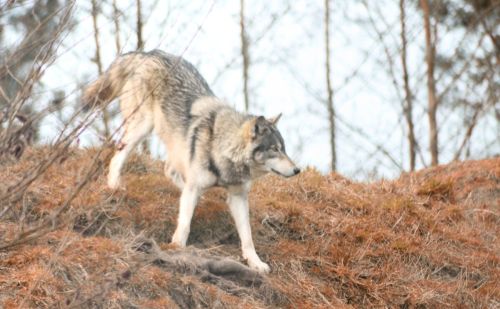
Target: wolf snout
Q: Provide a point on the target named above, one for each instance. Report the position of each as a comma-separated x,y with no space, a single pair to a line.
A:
296,170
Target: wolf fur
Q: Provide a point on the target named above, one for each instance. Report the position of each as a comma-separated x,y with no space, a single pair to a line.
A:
208,142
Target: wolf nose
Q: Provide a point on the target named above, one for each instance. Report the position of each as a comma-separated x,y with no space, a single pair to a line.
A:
296,170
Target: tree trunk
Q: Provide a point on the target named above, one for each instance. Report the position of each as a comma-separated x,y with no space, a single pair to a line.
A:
98,62
244,54
430,50
330,107
140,42
140,46
408,103
116,21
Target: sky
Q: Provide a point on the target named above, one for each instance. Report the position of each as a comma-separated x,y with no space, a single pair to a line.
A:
287,73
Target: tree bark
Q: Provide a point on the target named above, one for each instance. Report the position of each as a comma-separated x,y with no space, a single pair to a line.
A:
244,54
330,106
430,50
408,103
98,62
140,42
116,21
140,46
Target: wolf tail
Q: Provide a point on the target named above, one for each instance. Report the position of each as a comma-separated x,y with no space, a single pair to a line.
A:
107,87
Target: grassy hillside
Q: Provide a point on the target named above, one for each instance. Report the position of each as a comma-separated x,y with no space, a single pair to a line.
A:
427,240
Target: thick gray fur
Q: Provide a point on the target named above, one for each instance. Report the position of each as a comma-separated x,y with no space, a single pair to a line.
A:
208,142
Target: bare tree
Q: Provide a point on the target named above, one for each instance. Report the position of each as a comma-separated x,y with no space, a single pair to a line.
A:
329,89
22,66
430,51
38,20
408,101
244,53
97,55
140,42
140,46
116,21
98,62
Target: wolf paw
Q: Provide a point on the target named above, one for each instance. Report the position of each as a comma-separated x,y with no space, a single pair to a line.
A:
259,266
179,240
176,244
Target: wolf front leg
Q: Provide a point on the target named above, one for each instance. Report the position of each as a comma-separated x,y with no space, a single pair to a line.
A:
189,199
238,204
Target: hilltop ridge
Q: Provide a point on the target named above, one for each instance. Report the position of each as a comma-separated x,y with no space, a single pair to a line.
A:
428,239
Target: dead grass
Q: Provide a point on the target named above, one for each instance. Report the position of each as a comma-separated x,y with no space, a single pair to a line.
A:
426,240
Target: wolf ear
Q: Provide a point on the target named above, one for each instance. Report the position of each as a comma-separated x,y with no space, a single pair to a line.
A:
274,120
259,127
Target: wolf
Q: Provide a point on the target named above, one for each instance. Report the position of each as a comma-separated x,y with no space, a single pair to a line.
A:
208,142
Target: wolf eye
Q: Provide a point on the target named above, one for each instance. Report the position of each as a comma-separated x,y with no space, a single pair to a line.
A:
274,148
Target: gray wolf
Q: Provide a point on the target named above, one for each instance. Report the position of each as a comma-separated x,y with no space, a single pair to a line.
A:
208,142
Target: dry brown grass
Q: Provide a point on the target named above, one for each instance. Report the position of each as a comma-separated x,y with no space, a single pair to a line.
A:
426,240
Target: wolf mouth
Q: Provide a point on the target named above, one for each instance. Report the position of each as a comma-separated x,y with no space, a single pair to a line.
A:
276,172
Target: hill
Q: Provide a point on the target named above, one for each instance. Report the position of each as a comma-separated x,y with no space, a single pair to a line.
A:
426,240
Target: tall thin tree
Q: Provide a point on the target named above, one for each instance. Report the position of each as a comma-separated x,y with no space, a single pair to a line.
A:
116,21
140,46
408,101
430,52
329,103
98,62
244,54
140,42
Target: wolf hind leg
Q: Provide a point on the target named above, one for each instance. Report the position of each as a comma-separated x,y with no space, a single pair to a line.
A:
136,128
175,176
189,199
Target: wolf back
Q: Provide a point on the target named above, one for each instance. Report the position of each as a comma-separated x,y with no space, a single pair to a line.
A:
208,142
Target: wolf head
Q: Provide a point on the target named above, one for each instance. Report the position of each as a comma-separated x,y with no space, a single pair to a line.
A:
268,148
